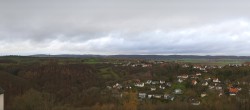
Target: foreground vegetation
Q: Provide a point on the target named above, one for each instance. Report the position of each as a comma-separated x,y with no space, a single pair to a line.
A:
81,84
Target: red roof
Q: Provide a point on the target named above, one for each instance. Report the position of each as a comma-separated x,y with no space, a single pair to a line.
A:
233,90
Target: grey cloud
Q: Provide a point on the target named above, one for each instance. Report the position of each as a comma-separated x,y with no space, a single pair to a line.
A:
124,27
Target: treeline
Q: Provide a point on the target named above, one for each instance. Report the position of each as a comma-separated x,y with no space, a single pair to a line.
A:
67,84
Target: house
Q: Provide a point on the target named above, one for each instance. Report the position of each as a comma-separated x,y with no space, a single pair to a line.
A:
109,87
185,66
180,80
162,82
146,65
218,88
155,82
150,96
203,69
153,88
244,83
139,84
205,83
168,84
198,74
182,76
117,86
211,87
134,65
203,94
196,67
149,82
194,101
142,95
216,80
233,91
157,96
194,77
1,99
208,79
178,91
168,97
161,87
128,87
194,82
220,94
239,88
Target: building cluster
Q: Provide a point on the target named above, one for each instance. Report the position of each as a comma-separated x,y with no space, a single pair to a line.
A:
167,90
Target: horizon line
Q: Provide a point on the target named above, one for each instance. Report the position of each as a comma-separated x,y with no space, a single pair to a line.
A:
124,55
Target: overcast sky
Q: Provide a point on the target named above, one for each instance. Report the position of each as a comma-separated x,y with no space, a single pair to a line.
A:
182,27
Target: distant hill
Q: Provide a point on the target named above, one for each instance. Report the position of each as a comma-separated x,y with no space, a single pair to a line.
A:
152,57
68,56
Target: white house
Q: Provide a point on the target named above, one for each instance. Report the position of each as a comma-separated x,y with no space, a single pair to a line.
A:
139,84
161,87
117,86
157,96
148,81
182,76
203,94
180,80
218,88
204,83
1,99
153,88
203,69
216,80
142,95
150,96
185,66
155,82
162,82
220,94
194,101
168,84
211,87
194,82
198,74
178,91
168,97
208,79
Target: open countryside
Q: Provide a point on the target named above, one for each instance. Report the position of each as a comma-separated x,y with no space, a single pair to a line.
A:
57,83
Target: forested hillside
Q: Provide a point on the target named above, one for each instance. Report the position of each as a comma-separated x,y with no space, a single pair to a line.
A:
81,84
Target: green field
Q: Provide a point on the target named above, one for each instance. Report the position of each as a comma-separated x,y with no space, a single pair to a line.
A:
219,62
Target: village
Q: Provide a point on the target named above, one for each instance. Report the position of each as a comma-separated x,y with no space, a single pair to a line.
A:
193,88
